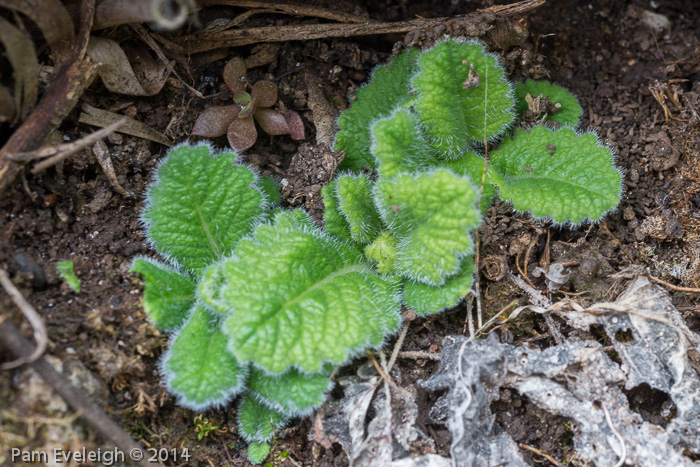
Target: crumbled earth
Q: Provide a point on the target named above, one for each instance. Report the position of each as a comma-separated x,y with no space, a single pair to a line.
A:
635,66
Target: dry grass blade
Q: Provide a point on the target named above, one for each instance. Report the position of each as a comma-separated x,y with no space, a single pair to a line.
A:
32,316
143,77
54,21
104,119
103,157
20,52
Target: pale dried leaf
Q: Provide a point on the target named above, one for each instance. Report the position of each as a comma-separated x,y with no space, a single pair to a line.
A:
140,77
19,51
52,18
103,157
103,119
7,105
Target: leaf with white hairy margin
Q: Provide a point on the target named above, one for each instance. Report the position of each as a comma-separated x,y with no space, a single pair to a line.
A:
432,215
293,393
388,88
200,206
168,295
354,201
256,421
463,96
198,367
561,174
302,299
427,299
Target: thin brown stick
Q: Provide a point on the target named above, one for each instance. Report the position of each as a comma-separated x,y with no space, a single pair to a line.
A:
290,8
381,372
397,346
528,252
540,453
21,348
238,37
32,316
668,285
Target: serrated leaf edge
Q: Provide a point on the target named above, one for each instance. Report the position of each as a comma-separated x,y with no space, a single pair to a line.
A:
254,439
155,179
168,375
295,411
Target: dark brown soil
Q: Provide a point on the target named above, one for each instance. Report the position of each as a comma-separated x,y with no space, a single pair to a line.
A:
602,51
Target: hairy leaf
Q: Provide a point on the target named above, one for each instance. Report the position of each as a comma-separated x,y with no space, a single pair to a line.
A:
427,299
302,299
464,96
431,214
257,452
168,296
256,421
568,114
209,289
200,206
388,89
198,368
577,182
399,145
293,393
334,221
383,251
271,189
354,198
472,165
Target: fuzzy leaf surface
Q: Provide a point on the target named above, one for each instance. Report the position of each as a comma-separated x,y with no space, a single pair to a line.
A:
293,393
472,166
200,206
431,215
455,117
168,295
198,368
578,182
568,114
334,221
257,452
256,421
399,145
354,198
301,299
388,89
427,299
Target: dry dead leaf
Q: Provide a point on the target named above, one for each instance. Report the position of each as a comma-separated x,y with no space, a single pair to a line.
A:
102,118
19,50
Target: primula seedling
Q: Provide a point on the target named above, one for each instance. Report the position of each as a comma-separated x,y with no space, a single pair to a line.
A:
443,106
262,304
237,121
65,269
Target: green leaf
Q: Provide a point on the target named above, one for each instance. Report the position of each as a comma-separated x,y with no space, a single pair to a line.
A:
65,269
427,299
354,198
168,296
383,252
198,368
334,221
431,214
256,421
568,114
210,287
271,189
257,452
453,115
200,206
388,89
399,145
294,394
472,166
301,299
578,182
